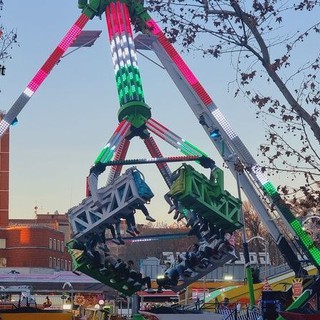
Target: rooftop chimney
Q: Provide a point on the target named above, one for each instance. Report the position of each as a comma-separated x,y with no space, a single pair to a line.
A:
4,178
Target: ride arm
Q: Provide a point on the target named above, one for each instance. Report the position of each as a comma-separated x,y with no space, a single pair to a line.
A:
11,116
156,153
104,156
172,138
120,156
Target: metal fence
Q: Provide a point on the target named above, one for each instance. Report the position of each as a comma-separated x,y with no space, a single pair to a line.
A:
248,314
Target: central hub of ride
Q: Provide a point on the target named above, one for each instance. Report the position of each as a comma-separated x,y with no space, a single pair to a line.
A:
135,112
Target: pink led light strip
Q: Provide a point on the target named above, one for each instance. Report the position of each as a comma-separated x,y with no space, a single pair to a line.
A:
156,153
184,69
108,151
57,53
164,133
41,75
118,19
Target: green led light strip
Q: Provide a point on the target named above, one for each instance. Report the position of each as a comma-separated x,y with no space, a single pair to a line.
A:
304,238
129,85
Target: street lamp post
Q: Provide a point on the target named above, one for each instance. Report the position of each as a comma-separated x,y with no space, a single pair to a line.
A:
310,218
71,292
265,251
312,230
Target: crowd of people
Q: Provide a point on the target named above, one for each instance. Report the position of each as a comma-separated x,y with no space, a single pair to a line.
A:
126,213
213,243
115,269
200,256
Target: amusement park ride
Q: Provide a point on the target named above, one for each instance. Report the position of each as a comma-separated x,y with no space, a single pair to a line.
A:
210,211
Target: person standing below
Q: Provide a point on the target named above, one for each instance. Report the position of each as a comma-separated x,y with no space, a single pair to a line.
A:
225,303
47,303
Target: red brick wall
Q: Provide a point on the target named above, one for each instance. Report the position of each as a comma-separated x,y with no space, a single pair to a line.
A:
54,221
28,246
4,179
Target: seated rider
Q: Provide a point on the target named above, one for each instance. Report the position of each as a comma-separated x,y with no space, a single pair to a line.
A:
169,279
137,277
47,303
130,219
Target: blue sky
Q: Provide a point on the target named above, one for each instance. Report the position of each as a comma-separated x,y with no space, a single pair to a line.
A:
74,113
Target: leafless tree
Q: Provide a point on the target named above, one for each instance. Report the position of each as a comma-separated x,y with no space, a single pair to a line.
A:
273,49
8,39
255,227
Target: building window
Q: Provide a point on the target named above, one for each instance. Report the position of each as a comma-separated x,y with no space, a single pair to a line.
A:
3,243
50,262
50,243
62,246
65,265
54,263
3,262
69,268
58,245
58,264
54,244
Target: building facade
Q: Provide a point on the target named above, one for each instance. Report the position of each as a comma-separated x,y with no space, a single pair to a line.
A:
34,246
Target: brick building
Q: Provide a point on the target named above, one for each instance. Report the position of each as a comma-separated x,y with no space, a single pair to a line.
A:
33,245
